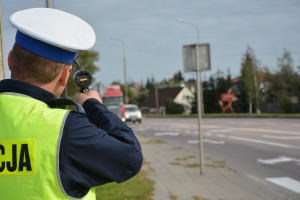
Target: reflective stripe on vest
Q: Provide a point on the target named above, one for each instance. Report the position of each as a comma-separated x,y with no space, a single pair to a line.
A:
30,134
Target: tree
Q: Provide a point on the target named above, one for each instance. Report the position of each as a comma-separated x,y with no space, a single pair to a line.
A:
284,84
250,79
178,78
150,84
87,61
142,96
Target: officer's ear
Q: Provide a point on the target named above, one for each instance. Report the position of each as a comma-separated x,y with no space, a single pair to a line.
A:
65,75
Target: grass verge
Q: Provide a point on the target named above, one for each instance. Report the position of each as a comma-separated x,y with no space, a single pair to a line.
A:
139,187
233,115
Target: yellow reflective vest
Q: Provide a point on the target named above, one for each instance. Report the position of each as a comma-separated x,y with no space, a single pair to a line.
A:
30,134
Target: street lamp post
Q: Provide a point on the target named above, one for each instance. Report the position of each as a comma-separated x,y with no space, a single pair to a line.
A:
199,93
124,65
48,3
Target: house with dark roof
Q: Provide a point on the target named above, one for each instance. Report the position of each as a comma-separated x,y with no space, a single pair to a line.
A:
158,97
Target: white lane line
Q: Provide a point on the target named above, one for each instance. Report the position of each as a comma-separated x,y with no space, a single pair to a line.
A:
264,142
275,131
211,126
213,141
287,183
282,137
280,159
266,131
205,140
193,141
222,130
295,124
162,134
139,129
220,135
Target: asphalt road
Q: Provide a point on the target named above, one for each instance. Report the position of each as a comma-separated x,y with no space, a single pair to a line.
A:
265,150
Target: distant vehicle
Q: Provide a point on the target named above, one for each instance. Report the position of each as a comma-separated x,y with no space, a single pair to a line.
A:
132,113
113,100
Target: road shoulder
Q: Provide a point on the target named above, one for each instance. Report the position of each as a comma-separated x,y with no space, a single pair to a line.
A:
177,175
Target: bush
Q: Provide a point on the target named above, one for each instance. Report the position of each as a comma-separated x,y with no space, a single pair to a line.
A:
173,108
286,104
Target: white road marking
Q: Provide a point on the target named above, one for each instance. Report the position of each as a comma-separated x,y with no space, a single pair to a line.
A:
140,129
162,134
221,130
282,137
264,142
266,131
295,124
213,141
287,183
211,126
252,130
280,159
205,140
193,141
220,135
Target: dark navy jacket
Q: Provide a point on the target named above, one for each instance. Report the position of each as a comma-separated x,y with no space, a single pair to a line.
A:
96,147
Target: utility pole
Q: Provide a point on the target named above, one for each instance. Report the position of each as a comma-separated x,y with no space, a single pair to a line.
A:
126,100
156,99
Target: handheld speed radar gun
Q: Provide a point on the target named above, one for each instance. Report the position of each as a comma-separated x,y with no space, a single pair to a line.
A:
83,79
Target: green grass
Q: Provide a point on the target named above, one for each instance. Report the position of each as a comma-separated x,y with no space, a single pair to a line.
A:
154,141
139,187
262,115
183,162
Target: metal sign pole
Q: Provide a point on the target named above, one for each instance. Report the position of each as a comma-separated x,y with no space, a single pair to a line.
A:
199,94
199,102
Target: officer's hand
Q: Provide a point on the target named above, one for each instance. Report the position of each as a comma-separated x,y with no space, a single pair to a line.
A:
82,97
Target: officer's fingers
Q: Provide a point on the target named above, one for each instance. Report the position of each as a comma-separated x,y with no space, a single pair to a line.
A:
82,97
94,94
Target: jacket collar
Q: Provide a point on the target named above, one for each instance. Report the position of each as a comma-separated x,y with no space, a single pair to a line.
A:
16,86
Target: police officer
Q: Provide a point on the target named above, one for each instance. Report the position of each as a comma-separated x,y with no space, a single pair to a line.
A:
53,153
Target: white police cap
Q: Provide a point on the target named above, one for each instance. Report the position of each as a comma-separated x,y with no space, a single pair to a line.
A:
52,34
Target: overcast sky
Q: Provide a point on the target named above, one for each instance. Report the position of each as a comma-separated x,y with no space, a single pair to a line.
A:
154,39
